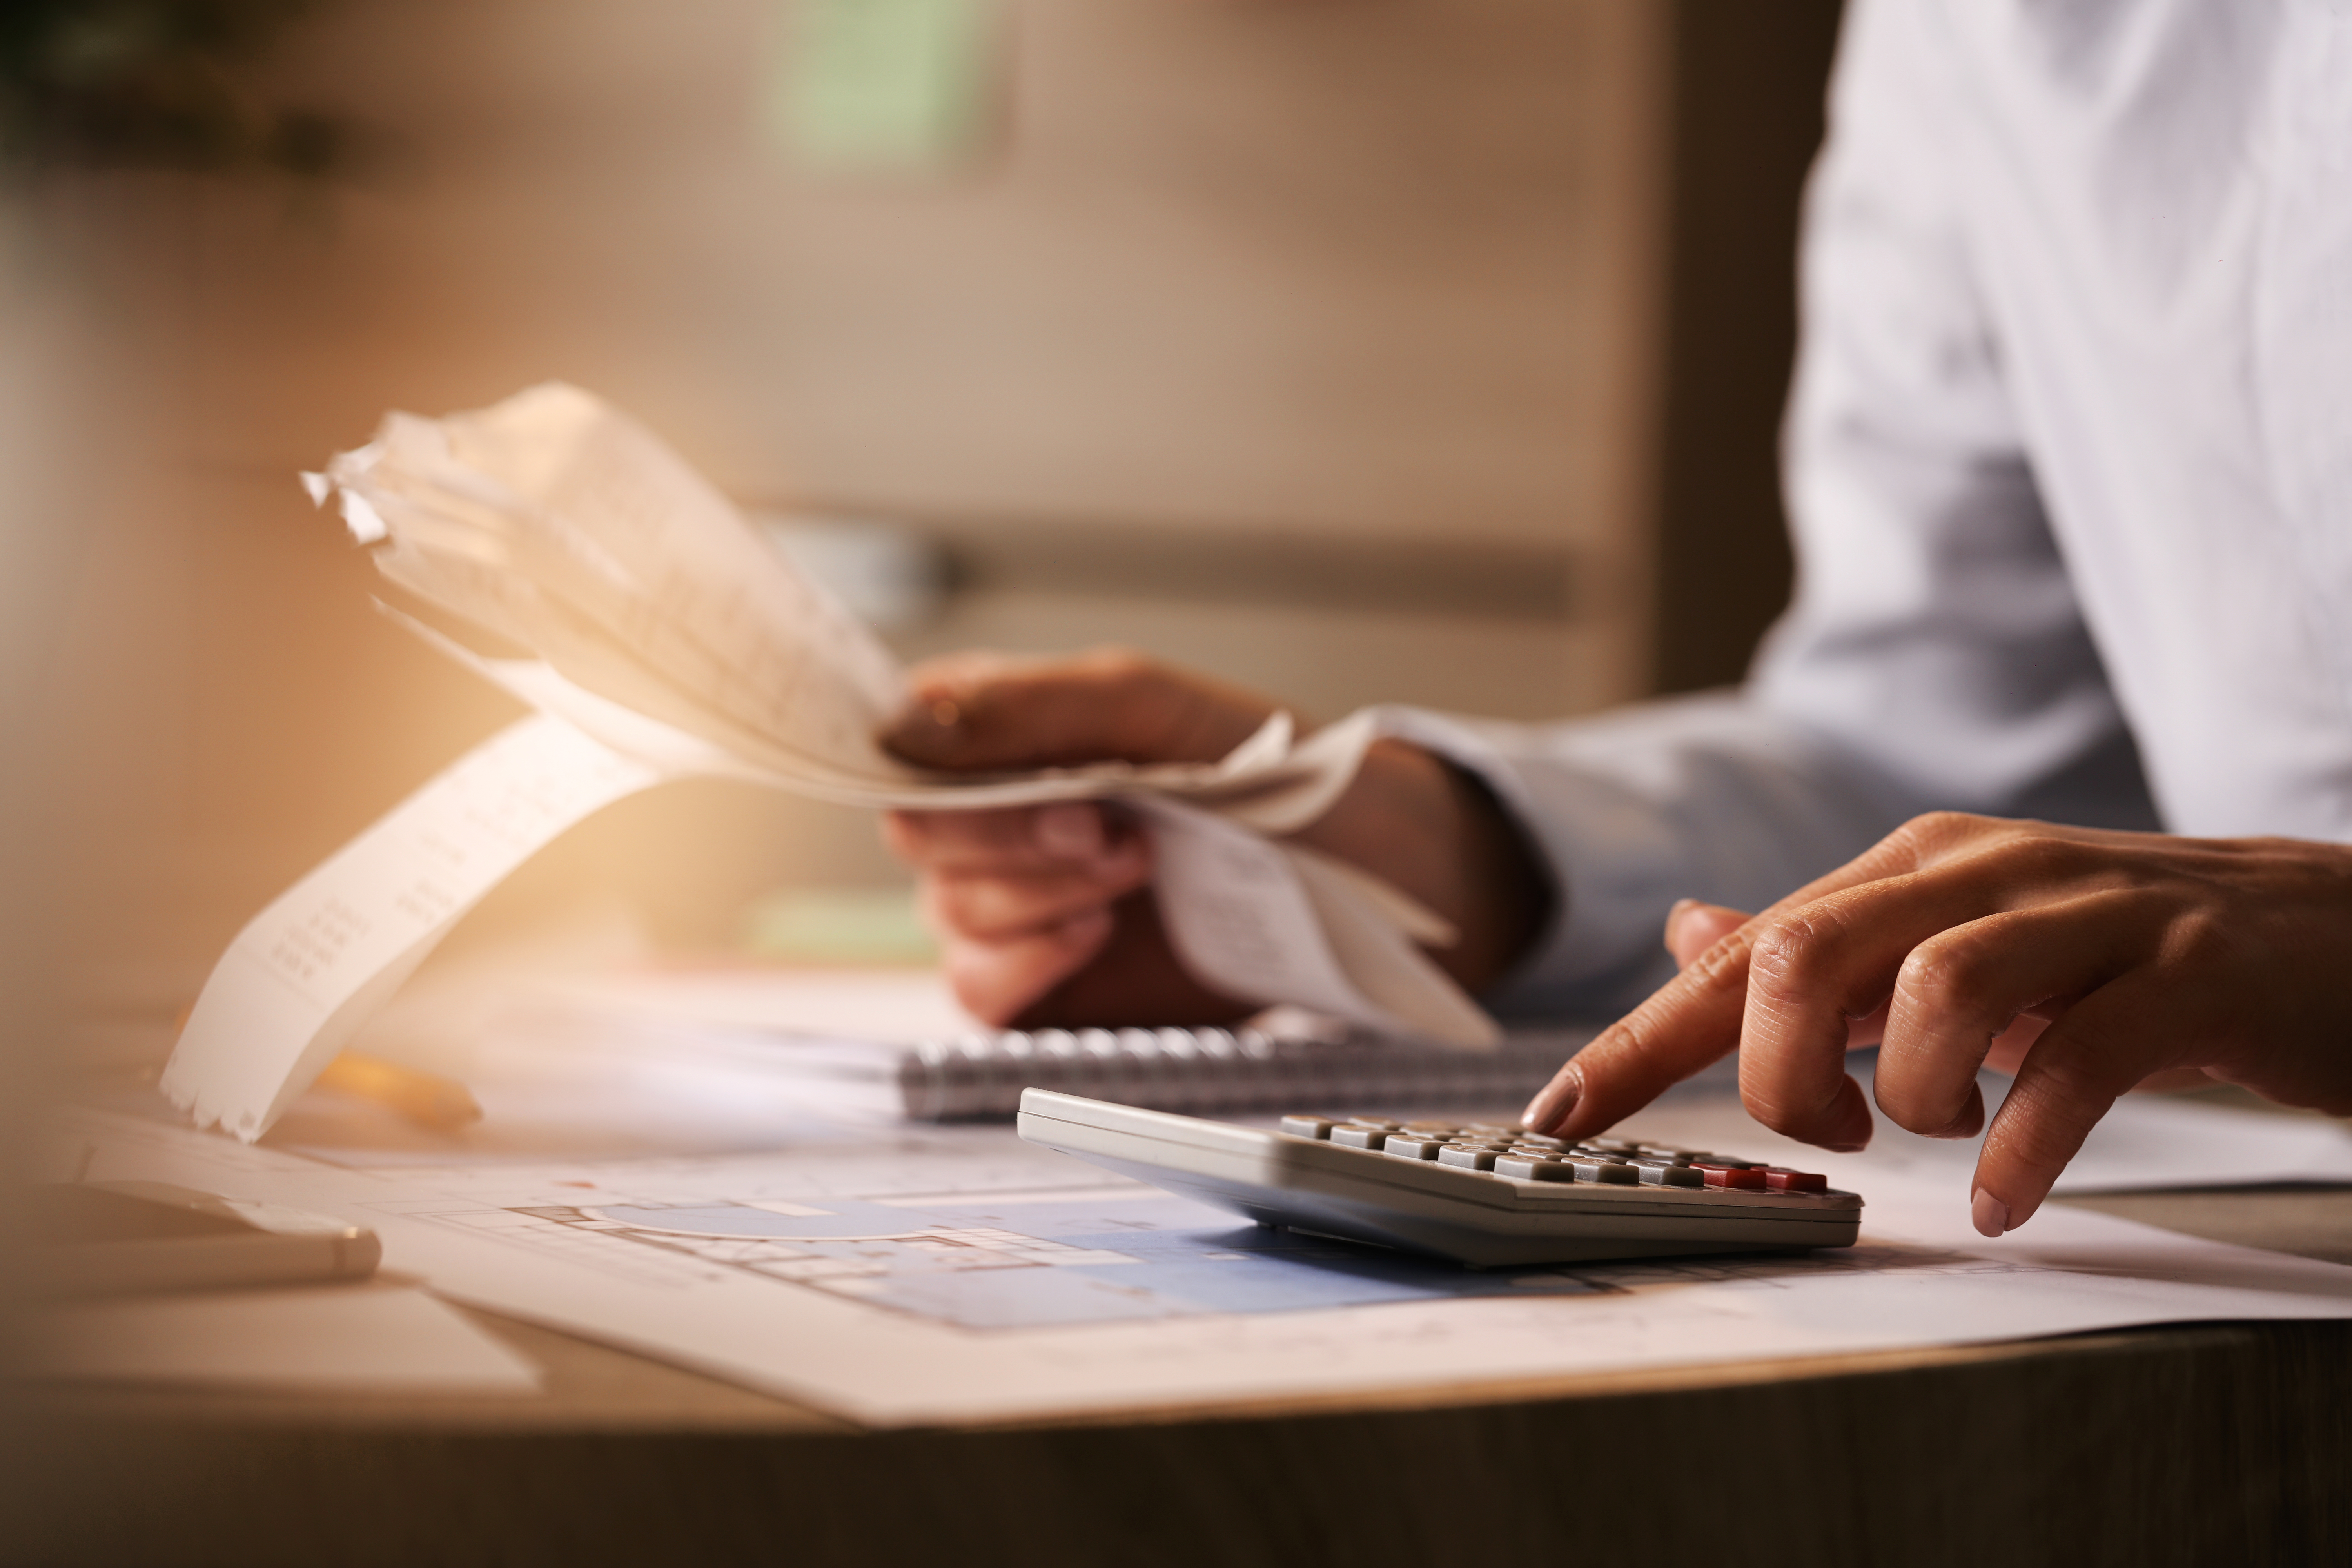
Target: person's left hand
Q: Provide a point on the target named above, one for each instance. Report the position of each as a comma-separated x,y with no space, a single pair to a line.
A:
2085,962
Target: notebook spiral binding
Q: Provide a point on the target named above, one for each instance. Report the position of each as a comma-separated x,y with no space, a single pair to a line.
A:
982,1075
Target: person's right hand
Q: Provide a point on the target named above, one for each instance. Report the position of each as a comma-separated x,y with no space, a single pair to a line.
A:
1046,914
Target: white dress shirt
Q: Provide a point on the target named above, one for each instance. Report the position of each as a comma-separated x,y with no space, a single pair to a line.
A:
2069,464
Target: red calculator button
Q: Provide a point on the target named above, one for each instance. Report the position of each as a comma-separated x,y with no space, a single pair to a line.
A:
1780,1178
1747,1177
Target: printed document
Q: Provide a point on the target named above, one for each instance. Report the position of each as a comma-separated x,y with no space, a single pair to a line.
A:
904,1274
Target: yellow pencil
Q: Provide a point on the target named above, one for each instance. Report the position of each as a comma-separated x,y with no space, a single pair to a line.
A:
424,1097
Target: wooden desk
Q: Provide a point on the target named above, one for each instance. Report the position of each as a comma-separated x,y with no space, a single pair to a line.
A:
2194,1445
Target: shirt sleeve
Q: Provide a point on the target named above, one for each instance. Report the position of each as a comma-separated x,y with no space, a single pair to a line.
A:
1934,656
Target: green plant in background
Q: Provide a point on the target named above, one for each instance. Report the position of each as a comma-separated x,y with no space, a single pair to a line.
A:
155,84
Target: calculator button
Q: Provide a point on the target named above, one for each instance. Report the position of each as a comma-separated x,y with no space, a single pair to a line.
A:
1382,1122
1780,1178
1659,1174
1539,1140
1405,1146
1447,1128
1306,1126
1534,1168
1722,1162
1609,1173
1353,1137
1469,1157
1746,1178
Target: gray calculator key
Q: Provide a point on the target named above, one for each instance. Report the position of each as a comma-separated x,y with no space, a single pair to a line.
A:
1659,1174
1354,1137
1539,1141
1306,1126
1470,1157
1406,1146
1534,1169
1609,1172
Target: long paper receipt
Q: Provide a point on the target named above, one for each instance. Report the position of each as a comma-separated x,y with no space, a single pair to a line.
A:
672,642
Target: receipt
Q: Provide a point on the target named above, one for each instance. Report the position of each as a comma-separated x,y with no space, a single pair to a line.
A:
306,971
671,642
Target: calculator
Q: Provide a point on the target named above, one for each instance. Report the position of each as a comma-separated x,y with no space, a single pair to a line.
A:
1482,1193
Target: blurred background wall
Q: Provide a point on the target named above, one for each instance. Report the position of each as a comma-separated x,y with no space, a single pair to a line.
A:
1358,350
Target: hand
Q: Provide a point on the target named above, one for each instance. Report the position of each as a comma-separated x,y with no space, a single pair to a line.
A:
2085,962
1046,914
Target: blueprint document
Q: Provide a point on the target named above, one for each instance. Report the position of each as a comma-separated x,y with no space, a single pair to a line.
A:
901,1276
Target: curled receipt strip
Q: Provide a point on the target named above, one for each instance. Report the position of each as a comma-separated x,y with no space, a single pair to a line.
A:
672,643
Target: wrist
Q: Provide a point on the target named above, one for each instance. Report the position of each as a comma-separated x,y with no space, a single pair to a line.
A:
1439,835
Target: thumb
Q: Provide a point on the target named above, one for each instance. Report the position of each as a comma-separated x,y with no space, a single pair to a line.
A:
1693,927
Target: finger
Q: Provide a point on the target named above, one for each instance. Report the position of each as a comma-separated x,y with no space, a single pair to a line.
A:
1961,989
1695,1020
1688,1023
2107,1042
1135,979
1819,968
1693,927
1066,836
992,908
995,980
991,710
1813,973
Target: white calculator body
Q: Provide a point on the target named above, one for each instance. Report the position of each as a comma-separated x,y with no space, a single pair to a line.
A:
1487,1194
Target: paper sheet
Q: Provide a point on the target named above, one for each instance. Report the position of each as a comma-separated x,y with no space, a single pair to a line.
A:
343,1339
905,1276
672,642
2148,1140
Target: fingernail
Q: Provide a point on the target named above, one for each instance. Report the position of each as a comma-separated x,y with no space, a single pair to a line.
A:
1991,1215
1071,830
946,714
1675,918
1552,1105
